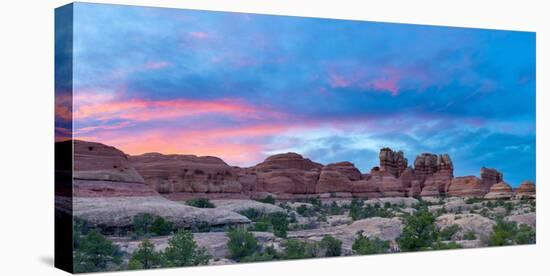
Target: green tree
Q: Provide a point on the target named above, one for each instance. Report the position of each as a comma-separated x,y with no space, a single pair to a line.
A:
145,256
503,233
161,227
241,244
365,246
331,246
182,250
525,235
268,199
419,231
279,221
141,224
95,253
296,249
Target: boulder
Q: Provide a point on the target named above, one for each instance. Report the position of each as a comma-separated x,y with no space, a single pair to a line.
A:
526,190
95,161
528,219
187,173
500,190
481,226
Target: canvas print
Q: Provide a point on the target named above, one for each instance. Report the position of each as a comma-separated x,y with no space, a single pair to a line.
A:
187,137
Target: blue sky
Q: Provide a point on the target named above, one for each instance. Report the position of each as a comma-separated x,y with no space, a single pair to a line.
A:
244,86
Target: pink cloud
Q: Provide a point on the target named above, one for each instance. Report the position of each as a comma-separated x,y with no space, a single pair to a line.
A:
200,35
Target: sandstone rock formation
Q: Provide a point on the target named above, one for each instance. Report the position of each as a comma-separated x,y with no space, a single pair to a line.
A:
392,162
526,190
95,161
101,170
500,190
239,205
186,173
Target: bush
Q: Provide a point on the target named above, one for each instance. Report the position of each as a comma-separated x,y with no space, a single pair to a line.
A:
364,246
335,209
295,249
95,253
525,235
148,225
442,246
419,231
182,250
279,222
200,203
503,233
508,233
145,257
241,244
447,233
252,214
470,235
331,246
374,210
304,211
268,199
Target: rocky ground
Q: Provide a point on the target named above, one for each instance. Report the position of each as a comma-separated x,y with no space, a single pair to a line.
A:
472,221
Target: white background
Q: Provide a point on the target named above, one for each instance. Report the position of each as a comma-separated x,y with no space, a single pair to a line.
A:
26,133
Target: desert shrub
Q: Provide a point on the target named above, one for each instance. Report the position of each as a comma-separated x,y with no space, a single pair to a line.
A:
252,214
201,227
472,200
260,226
145,257
322,218
331,246
525,235
305,211
95,253
419,231
503,233
292,217
279,221
200,203
364,246
162,227
334,209
470,235
447,233
182,250
268,199
421,205
315,201
296,249
241,244
148,225
257,257
355,208
369,211
442,246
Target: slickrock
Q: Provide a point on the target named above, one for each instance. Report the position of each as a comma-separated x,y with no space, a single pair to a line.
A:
526,190
239,205
95,161
481,226
118,212
186,173
528,219
500,190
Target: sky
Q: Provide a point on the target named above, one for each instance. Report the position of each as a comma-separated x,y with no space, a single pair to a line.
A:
244,86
